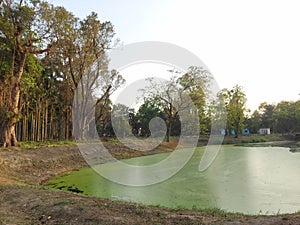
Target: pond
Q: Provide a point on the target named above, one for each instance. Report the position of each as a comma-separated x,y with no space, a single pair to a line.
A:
251,180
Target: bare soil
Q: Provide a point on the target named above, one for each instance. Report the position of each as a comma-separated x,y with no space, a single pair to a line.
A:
23,199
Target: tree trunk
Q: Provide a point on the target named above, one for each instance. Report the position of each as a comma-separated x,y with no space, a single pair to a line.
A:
51,124
46,121
43,123
168,132
25,121
237,128
67,124
32,126
170,121
13,102
38,122
10,135
169,128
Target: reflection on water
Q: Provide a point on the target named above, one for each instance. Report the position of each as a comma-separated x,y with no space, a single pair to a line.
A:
242,179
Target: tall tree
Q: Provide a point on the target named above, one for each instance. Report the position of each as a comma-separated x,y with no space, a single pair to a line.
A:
285,117
67,48
196,82
85,66
147,111
254,122
180,93
235,101
26,28
266,112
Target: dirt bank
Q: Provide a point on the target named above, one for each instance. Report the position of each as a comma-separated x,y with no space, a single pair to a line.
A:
34,166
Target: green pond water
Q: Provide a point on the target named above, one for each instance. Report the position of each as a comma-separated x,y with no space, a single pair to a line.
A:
251,180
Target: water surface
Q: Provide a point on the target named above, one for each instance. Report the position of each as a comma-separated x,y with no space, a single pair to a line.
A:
250,180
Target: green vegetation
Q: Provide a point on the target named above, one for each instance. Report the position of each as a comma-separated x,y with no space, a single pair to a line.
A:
33,144
235,100
219,186
283,117
37,41
139,212
243,139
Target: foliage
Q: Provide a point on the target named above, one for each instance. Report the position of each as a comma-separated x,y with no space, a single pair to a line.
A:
147,111
44,53
235,100
26,30
33,144
283,117
181,93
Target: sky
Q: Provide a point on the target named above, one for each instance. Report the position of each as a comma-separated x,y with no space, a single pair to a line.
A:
255,44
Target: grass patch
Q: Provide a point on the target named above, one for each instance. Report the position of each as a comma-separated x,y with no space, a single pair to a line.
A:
253,138
33,144
139,212
124,155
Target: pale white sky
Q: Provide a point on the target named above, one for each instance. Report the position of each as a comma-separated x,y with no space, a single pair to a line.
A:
255,44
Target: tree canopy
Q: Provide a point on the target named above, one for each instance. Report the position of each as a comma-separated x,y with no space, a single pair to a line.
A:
45,51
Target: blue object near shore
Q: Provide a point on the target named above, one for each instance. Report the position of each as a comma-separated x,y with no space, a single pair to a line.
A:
246,131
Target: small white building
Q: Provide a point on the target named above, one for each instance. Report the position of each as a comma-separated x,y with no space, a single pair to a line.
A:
264,131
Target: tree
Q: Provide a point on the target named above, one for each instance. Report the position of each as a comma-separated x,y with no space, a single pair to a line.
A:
218,114
266,112
45,51
262,117
82,49
196,83
179,94
94,89
121,120
254,122
26,29
235,100
147,111
103,117
285,117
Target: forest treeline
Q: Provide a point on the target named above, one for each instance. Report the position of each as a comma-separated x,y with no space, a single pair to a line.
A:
45,51
283,117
